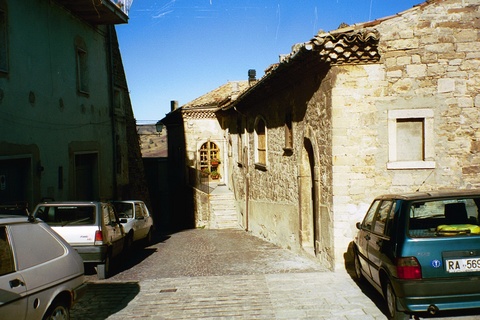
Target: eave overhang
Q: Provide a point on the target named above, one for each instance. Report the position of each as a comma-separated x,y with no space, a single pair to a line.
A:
97,12
344,46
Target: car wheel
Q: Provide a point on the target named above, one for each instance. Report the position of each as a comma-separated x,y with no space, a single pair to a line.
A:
128,242
357,266
103,270
58,310
391,300
148,238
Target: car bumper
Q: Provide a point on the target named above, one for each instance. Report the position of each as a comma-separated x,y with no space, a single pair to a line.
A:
92,254
444,294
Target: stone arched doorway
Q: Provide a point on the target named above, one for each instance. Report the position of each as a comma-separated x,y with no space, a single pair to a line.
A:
209,156
308,195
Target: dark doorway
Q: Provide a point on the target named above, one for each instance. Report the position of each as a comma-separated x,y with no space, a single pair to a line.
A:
86,176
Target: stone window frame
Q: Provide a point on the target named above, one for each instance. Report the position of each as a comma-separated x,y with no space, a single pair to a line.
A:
288,148
261,143
428,139
81,59
241,140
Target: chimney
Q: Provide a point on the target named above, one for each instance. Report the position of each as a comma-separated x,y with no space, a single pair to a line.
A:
252,74
173,105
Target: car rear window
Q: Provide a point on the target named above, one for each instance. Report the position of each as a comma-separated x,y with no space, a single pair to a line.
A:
67,215
34,245
124,209
444,218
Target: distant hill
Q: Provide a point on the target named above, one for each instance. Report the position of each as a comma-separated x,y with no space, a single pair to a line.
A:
153,143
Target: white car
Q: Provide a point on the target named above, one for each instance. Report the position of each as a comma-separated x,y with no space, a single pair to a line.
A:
41,275
90,227
136,220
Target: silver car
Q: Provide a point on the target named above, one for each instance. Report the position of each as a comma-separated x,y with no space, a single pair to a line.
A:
41,275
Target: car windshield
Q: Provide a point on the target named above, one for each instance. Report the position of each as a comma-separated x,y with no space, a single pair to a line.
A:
66,215
124,209
441,218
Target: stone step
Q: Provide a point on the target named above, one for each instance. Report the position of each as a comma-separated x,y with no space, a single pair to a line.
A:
223,208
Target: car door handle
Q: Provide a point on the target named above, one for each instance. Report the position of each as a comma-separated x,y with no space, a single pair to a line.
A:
367,237
15,283
379,242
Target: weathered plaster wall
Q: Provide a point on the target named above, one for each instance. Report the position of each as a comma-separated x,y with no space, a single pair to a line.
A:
40,103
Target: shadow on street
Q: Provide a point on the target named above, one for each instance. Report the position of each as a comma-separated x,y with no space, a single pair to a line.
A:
104,299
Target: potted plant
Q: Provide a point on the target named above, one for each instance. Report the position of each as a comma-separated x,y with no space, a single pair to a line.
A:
214,162
214,174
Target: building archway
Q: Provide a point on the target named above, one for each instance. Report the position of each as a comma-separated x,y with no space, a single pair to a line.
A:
309,228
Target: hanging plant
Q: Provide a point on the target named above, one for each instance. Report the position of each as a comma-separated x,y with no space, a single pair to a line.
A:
214,162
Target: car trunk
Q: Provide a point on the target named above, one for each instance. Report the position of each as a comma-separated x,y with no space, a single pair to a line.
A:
446,256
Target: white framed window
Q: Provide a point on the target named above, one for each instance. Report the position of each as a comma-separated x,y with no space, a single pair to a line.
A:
410,139
260,142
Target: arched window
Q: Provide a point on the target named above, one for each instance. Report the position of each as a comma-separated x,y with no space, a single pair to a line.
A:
209,157
260,142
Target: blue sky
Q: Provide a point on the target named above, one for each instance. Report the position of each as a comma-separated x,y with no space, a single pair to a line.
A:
182,49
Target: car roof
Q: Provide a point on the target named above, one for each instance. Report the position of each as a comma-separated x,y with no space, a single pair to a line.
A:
71,203
430,195
11,219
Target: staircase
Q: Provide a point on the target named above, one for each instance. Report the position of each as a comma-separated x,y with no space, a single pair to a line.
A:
223,209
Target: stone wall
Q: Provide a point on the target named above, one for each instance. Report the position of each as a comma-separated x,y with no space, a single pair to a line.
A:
430,61
348,117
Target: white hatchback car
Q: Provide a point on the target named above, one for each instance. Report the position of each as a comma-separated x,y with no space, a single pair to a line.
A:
136,221
90,227
41,275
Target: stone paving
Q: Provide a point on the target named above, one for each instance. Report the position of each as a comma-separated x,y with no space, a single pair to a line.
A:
227,274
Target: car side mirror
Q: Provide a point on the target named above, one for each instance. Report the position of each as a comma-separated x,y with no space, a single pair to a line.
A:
359,225
123,220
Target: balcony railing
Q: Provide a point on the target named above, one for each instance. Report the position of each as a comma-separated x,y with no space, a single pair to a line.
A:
99,11
199,180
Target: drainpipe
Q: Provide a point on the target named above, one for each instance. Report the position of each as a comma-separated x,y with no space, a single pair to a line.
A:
112,110
247,187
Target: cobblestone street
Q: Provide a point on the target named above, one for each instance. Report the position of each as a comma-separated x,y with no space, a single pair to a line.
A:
226,274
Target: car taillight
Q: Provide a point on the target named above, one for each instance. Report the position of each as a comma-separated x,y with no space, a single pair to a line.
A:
98,237
408,268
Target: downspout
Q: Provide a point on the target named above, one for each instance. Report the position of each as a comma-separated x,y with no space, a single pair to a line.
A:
247,187
112,110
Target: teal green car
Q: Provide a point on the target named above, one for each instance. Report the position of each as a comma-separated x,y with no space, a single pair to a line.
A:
421,251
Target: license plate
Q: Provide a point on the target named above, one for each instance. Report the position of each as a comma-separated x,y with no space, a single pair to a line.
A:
463,265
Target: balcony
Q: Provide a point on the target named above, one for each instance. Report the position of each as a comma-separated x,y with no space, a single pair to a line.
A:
99,11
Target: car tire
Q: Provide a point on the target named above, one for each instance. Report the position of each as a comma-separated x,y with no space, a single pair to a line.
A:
128,242
357,267
148,238
103,270
391,300
58,310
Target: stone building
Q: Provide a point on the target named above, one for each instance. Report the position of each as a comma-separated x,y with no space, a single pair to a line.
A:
386,106
197,149
67,130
